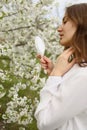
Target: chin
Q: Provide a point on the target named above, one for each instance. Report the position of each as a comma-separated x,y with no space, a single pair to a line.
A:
65,44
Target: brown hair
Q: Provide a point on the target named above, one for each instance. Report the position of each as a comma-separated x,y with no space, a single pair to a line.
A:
78,14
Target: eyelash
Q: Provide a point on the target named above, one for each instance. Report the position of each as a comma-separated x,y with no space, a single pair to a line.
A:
64,22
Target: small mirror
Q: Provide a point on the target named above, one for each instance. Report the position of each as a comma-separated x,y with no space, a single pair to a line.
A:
40,46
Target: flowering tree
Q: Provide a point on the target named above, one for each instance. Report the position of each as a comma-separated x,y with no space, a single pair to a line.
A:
21,77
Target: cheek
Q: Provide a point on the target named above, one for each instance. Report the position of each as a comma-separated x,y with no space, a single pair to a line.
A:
73,29
71,32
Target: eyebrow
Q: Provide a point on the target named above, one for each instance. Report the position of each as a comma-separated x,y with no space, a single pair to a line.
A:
65,17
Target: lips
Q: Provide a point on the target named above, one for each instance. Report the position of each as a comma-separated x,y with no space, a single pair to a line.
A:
61,35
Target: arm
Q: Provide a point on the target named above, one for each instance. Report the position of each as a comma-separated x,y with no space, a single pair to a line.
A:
59,103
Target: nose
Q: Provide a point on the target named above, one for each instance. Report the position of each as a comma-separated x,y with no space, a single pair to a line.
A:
59,28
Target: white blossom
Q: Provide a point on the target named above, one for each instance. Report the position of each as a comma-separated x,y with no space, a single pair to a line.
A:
21,75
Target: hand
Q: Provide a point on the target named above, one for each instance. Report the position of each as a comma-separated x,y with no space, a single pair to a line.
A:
46,64
62,64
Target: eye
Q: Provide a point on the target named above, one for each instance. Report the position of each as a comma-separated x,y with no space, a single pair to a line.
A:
65,21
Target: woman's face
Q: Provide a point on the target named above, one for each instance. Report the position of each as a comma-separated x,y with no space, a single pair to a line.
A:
66,31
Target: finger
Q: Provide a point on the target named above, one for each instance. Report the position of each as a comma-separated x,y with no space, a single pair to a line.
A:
43,61
70,54
39,56
69,50
73,62
47,59
45,65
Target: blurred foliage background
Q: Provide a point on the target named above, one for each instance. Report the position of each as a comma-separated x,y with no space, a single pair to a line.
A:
21,77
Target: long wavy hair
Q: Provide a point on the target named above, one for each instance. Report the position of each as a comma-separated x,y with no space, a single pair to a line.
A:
78,14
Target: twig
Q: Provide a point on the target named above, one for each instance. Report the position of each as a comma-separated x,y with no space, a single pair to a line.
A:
19,28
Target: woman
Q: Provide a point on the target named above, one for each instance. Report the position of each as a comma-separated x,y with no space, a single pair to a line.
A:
63,99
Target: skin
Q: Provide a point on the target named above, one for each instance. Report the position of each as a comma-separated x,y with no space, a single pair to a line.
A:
62,65
46,63
66,32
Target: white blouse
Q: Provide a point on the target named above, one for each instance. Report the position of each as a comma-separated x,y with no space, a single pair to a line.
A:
63,101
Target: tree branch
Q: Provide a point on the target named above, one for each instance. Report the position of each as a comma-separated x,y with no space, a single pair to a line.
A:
14,29
9,15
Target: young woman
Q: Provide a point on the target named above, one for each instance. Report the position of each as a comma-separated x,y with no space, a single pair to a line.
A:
63,99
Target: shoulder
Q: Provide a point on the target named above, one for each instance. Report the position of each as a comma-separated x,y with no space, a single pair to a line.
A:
77,70
75,73
79,74
82,71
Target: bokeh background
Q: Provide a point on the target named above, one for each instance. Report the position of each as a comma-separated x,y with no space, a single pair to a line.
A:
21,76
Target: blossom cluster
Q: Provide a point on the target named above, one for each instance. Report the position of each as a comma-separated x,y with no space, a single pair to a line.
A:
21,76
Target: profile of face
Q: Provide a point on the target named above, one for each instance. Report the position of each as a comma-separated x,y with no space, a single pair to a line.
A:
66,31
